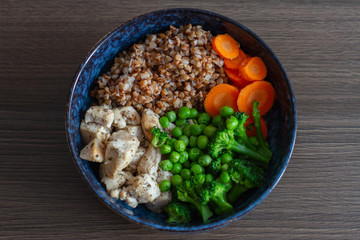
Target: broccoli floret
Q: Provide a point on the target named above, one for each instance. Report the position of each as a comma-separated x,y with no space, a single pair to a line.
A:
225,141
240,131
216,192
186,192
198,180
159,137
214,167
246,175
178,212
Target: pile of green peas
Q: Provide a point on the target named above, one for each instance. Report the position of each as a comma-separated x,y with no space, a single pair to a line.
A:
186,151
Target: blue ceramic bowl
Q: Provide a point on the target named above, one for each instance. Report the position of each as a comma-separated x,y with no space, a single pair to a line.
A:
281,119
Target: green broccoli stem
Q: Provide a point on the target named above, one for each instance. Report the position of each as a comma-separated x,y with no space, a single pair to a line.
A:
222,205
262,157
204,210
244,137
236,192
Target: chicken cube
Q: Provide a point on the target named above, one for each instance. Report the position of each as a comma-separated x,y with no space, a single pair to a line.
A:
133,165
100,115
163,175
90,131
135,131
119,153
148,121
94,151
160,203
125,116
143,188
149,162
117,181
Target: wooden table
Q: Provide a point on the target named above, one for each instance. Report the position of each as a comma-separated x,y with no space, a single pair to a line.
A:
42,43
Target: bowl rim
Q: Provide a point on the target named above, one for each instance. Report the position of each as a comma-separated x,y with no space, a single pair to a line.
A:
177,228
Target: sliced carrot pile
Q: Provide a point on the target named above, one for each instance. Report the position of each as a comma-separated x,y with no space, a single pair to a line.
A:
225,46
219,96
260,91
238,81
253,69
235,63
251,130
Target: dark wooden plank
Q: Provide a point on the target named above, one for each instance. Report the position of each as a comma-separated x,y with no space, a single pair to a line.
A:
42,43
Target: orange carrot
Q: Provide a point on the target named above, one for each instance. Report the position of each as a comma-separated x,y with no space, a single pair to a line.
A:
251,130
260,91
225,46
235,63
219,96
233,75
253,69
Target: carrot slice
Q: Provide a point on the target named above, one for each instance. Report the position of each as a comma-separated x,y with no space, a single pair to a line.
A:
219,96
225,46
235,63
253,69
260,91
233,75
251,130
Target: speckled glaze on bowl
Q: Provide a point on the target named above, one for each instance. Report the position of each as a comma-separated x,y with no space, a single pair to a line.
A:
281,119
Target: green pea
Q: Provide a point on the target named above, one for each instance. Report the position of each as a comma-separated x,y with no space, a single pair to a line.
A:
176,168
166,165
197,169
184,112
225,167
204,118
184,156
179,122
171,116
217,121
193,141
226,111
232,123
176,180
165,149
202,141
185,173
180,146
187,130
165,185
224,177
176,132
194,154
210,131
209,178
204,160
193,113
174,156
164,122
226,158
185,139
171,142
195,130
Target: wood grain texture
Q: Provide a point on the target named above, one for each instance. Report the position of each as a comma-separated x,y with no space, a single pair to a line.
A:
42,44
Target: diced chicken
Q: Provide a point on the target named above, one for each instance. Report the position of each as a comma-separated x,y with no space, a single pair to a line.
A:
148,121
117,181
125,116
115,193
119,153
130,200
160,203
163,175
144,188
94,151
90,131
135,131
149,162
100,115
132,167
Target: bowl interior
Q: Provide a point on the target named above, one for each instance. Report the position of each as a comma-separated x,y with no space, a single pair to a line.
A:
281,119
